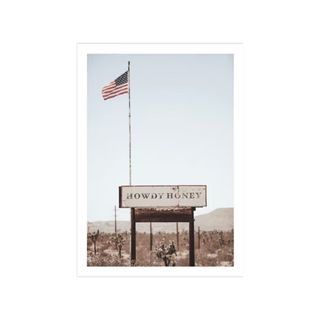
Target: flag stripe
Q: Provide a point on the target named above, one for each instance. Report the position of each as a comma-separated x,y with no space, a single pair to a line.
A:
110,86
108,89
114,94
124,87
116,87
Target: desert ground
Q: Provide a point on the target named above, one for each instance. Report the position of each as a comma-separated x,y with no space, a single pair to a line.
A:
212,248
214,242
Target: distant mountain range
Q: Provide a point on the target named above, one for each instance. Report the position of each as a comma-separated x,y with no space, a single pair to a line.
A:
219,219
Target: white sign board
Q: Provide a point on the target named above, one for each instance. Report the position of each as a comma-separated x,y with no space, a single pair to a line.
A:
162,196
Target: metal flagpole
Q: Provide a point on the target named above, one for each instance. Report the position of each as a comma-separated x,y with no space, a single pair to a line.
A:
130,176
132,219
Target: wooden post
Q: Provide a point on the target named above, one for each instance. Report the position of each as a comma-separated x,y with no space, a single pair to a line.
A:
94,238
177,230
199,238
133,237
94,246
151,237
191,240
115,220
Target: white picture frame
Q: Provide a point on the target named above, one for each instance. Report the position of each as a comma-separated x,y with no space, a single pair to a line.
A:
83,49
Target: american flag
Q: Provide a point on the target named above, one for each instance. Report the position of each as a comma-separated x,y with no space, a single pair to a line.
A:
116,87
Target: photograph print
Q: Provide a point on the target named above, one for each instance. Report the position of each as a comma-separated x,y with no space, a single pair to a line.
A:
160,160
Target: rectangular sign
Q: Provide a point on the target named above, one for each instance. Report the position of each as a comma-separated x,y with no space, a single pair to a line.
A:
162,196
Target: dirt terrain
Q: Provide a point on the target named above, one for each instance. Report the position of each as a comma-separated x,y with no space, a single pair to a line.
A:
216,249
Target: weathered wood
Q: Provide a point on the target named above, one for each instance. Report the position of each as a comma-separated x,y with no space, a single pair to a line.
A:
133,237
115,220
177,231
163,218
155,196
191,241
165,210
163,215
151,237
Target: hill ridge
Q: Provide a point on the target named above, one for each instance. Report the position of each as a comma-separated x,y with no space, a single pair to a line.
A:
218,219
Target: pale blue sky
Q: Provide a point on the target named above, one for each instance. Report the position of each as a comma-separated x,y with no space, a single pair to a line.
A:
182,127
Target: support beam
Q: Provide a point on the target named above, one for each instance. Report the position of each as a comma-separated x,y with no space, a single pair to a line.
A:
177,231
151,237
191,241
133,237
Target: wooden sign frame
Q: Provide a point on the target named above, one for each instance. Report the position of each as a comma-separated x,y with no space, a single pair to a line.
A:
163,215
